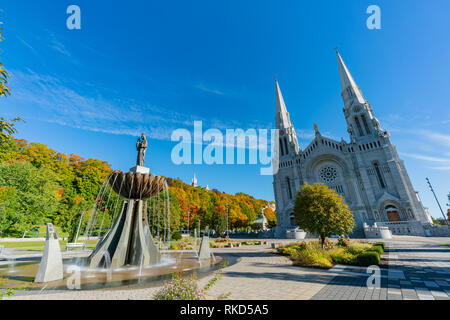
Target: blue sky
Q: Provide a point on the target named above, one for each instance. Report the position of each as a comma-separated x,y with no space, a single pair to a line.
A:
155,66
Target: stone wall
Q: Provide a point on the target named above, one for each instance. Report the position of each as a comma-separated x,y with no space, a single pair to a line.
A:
434,230
405,228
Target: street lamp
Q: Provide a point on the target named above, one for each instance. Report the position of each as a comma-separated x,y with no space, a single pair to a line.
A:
227,220
432,190
189,211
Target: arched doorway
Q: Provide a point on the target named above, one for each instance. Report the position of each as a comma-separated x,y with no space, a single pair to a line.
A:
392,213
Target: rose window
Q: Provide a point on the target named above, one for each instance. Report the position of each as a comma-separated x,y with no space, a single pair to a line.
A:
328,174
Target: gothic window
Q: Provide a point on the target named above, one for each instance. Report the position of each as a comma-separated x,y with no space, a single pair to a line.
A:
379,176
365,123
281,147
286,145
339,189
288,182
328,174
358,125
350,92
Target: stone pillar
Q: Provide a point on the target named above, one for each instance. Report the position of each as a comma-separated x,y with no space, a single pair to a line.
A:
205,250
51,266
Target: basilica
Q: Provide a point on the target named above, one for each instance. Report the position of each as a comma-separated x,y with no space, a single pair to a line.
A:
366,171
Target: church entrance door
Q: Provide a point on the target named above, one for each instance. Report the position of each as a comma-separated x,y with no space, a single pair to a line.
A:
393,215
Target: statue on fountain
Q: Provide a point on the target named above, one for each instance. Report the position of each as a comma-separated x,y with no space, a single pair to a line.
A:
141,147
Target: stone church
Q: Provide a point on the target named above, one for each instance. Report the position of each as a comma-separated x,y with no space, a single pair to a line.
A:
366,171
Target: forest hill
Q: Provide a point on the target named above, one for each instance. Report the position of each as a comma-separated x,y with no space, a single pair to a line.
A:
39,185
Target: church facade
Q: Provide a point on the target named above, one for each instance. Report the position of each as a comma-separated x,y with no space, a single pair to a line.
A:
366,171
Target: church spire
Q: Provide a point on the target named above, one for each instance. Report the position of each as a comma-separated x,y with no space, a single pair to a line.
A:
288,137
282,116
194,181
350,91
362,123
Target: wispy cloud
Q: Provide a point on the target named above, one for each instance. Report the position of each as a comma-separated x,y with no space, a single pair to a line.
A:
443,139
445,168
209,90
85,108
26,44
424,157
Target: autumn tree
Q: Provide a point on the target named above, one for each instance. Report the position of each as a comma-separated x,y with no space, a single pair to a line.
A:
271,217
322,211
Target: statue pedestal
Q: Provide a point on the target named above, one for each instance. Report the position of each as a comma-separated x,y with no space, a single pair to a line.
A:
129,242
140,169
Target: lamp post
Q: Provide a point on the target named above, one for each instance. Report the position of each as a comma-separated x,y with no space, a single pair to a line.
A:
189,211
227,220
434,194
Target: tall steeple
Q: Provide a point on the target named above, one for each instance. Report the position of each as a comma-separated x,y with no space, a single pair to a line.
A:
282,116
288,137
361,122
350,91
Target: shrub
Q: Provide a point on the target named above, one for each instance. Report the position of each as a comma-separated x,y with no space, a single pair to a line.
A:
180,288
343,242
375,248
183,244
174,247
381,244
357,248
341,256
176,236
328,245
368,258
310,256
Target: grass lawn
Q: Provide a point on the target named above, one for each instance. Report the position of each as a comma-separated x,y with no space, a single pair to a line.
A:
311,254
39,245
444,245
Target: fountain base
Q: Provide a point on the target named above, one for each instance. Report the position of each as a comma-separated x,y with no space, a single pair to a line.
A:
128,242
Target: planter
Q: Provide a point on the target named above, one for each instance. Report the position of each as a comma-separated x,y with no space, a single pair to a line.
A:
295,234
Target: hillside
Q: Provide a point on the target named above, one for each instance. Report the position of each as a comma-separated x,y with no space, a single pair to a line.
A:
39,185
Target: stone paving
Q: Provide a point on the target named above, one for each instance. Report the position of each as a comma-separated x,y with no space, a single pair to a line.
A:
418,269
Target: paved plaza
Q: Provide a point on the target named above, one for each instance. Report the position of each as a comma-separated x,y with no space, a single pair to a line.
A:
418,269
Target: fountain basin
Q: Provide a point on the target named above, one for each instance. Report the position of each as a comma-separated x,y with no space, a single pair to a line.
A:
135,185
101,278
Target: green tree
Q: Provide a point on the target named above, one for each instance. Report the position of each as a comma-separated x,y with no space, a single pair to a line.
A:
29,197
7,129
4,89
220,221
321,210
